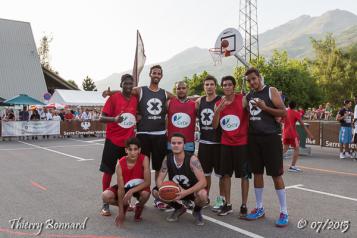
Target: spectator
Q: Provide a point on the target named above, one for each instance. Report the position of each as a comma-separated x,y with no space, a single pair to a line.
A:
10,115
313,114
61,114
42,114
328,111
68,116
320,113
302,111
24,114
56,116
95,115
35,117
345,116
48,114
86,116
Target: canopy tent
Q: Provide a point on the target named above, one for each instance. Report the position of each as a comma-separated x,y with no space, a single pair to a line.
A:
56,106
77,98
23,99
2,102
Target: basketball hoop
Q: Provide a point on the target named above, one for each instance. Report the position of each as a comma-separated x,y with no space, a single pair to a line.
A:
216,55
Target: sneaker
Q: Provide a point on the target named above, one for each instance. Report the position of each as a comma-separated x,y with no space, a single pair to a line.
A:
168,208
198,217
159,205
138,210
105,210
207,203
283,220
218,204
243,211
131,207
294,169
342,156
347,155
189,204
176,214
226,209
255,214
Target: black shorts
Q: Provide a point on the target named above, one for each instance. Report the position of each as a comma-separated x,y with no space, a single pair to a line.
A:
209,156
235,158
266,151
154,147
355,138
136,195
111,154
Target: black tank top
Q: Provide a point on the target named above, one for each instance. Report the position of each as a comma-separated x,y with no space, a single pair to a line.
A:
260,122
205,116
152,108
183,175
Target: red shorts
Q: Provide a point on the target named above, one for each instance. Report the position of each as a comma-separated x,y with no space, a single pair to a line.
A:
293,142
114,189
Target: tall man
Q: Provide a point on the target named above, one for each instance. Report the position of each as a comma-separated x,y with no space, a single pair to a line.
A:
231,115
119,112
209,149
264,142
184,169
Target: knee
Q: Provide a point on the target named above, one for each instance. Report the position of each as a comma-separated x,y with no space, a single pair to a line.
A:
107,196
202,195
145,195
155,193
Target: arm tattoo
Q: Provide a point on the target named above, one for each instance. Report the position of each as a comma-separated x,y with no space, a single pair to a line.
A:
164,166
196,164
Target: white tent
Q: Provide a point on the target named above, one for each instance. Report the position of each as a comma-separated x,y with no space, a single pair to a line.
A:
77,98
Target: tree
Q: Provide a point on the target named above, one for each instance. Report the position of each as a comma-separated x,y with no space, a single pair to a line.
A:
88,84
44,51
72,82
335,70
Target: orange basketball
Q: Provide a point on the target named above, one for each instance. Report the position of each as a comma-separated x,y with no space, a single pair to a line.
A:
224,43
168,191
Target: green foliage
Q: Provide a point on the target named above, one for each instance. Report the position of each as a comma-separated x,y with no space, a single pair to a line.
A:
72,82
88,84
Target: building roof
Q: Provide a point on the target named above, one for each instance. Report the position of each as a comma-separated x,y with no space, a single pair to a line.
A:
20,68
54,81
77,98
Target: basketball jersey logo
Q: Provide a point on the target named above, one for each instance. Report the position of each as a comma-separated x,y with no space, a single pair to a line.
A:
181,120
128,120
207,117
230,122
154,106
182,180
253,109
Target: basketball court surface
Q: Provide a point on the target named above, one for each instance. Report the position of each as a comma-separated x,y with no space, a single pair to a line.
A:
59,180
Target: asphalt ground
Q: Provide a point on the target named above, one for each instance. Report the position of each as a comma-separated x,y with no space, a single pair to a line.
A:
59,179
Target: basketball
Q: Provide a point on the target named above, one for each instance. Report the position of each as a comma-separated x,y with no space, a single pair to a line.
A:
224,43
168,191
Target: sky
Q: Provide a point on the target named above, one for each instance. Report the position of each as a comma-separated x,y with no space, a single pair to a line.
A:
97,38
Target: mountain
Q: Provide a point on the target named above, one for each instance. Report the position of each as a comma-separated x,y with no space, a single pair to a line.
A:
293,36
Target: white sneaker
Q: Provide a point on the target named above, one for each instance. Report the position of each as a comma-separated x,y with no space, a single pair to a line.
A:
342,156
347,155
294,169
353,156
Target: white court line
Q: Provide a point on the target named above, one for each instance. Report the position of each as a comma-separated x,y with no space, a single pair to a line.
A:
293,186
324,193
79,159
89,142
47,147
229,226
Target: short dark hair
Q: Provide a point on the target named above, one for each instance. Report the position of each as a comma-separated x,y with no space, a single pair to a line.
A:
292,104
132,141
347,101
210,77
124,77
228,78
156,67
176,134
252,70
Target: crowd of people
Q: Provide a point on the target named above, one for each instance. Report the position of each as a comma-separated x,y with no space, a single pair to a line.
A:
46,114
320,113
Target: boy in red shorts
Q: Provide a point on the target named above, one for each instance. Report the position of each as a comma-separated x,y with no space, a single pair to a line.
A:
290,136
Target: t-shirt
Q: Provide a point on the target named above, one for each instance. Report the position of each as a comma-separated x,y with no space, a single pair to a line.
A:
116,105
289,129
68,116
347,121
